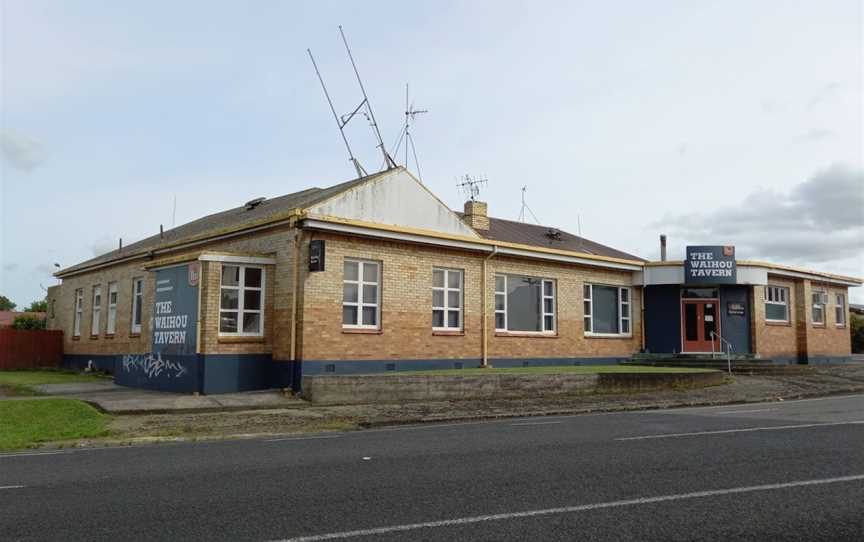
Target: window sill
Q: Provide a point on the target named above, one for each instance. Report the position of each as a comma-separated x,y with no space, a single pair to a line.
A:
134,335
76,337
779,323
448,332
818,326
236,340
361,331
94,337
840,326
608,336
527,334
109,335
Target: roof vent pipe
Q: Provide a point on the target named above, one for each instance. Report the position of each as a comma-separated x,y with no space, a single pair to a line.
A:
161,232
662,247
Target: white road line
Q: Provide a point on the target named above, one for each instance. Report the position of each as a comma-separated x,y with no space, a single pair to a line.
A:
302,438
746,411
535,423
569,509
3,456
743,430
11,487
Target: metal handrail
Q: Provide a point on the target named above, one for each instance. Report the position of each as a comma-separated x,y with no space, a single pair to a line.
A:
729,350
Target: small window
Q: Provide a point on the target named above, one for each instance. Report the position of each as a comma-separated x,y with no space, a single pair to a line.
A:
79,312
97,310
112,308
818,298
361,294
776,304
524,304
607,310
446,299
241,300
840,310
137,303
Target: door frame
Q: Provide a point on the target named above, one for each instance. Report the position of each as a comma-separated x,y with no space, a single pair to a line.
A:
699,300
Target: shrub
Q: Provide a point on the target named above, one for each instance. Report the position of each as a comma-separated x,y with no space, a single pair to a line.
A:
28,322
857,330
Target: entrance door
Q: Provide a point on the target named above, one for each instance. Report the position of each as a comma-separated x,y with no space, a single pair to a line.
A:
699,319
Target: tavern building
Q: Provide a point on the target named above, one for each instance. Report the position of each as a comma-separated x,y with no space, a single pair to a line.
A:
377,274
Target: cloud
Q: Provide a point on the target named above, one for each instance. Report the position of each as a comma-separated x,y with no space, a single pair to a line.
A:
816,135
10,266
819,220
824,94
21,152
102,245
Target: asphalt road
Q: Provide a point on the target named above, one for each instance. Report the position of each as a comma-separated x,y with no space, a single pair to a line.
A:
777,471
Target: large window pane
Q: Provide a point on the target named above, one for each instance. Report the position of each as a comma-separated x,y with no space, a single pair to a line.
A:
370,293
774,311
453,299
230,275
253,277
438,278
228,322
350,269
370,272
251,322
523,304
370,316
230,299
349,293
453,279
438,318
349,316
604,309
252,300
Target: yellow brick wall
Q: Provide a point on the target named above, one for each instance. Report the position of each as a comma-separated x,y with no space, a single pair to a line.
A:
275,243
406,301
800,337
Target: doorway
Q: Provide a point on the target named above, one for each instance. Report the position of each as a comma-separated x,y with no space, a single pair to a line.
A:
699,318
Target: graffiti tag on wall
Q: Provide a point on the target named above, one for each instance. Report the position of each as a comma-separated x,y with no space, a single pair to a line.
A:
153,366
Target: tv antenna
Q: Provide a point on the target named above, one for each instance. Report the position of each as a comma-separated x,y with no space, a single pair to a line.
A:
526,208
364,108
470,186
405,134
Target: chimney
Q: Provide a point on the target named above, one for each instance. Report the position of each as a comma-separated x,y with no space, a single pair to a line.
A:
662,247
475,215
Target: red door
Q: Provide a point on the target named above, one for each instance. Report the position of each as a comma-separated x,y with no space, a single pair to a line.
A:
698,320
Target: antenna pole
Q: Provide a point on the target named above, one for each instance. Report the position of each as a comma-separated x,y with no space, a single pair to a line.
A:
407,114
387,158
360,171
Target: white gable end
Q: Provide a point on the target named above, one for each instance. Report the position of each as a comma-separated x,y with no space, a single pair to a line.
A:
394,199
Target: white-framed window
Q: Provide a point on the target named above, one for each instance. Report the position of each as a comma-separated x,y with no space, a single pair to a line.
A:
79,312
840,310
137,303
818,312
500,303
97,310
446,299
607,310
776,304
111,324
241,301
524,304
361,294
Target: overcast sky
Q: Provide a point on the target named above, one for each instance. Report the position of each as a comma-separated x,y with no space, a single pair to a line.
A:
714,122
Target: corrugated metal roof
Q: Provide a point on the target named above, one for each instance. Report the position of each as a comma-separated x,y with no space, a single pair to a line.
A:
510,231
232,218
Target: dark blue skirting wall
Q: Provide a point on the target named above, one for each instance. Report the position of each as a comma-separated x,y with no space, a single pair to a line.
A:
211,373
356,367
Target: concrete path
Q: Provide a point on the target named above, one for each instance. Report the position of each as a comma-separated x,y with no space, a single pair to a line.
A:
116,399
774,471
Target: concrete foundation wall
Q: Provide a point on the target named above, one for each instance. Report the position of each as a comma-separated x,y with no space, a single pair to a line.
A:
399,388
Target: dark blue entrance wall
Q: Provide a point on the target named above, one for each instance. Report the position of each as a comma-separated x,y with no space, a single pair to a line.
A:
227,373
735,328
663,319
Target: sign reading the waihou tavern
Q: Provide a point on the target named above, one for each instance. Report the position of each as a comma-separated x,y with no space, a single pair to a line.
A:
175,312
710,265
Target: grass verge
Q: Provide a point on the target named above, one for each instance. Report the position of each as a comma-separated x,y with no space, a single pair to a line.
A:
26,423
21,382
555,369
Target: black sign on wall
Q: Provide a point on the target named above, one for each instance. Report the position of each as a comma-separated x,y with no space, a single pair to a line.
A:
710,265
175,311
316,255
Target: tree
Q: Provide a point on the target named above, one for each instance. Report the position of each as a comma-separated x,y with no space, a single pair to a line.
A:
28,322
6,304
38,306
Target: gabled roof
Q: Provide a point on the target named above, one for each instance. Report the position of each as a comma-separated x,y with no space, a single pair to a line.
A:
225,220
510,231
